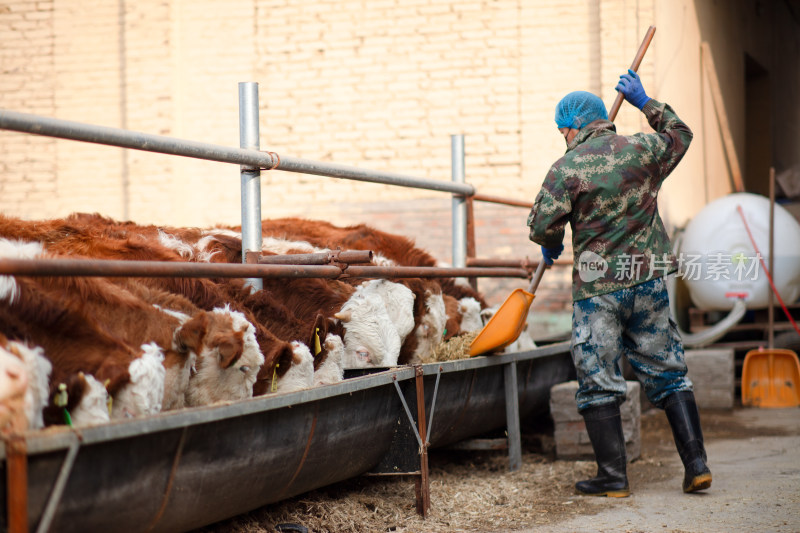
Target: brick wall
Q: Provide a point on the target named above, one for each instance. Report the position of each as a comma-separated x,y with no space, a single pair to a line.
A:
27,167
381,85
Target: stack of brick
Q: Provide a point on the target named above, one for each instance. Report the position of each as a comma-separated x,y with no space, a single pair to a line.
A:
572,441
713,374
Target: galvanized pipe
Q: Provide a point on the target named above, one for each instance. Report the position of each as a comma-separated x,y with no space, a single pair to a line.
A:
77,131
249,139
112,268
459,227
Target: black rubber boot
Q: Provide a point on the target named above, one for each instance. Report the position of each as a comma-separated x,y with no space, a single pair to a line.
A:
684,419
604,425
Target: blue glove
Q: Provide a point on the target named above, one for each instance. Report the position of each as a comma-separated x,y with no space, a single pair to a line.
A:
551,254
631,86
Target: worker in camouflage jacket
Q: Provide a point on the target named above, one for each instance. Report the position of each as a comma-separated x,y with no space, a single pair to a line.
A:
606,186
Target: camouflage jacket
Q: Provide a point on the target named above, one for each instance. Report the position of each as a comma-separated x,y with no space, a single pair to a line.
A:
606,187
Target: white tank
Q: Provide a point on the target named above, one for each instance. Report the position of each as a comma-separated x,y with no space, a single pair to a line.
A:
718,259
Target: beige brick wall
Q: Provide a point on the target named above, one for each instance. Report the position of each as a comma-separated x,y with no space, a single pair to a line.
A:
27,166
88,84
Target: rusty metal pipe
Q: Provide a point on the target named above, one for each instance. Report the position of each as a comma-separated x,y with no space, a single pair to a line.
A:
114,268
526,263
433,272
500,200
423,485
17,484
323,258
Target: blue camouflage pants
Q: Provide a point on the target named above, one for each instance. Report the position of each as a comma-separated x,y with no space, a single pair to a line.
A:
634,322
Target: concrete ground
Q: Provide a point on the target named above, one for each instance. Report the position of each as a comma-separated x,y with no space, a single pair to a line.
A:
756,487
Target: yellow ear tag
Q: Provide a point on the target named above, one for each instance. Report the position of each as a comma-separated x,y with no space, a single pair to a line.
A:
317,347
61,396
109,400
275,378
61,401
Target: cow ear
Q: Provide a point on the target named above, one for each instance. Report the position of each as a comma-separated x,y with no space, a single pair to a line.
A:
344,316
230,349
191,334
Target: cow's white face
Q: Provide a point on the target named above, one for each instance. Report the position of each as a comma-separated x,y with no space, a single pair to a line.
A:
93,408
470,310
37,392
14,384
216,377
398,300
431,328
331,371
144,393
301,374
370,337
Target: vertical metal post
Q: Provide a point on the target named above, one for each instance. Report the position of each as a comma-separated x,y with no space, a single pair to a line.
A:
423,487
17,484
771,264
512,416
471,252
251,178
459,203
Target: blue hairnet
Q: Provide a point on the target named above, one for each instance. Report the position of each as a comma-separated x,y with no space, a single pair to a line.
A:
579,108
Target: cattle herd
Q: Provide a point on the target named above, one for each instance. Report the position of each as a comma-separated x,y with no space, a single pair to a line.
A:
86,350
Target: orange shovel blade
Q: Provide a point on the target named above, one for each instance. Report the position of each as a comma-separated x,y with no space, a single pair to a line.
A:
771,378
506,324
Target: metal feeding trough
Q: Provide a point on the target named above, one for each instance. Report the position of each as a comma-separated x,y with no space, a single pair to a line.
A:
183,470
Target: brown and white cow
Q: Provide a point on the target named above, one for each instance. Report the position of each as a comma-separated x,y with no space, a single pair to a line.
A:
61,315
87,235
398,249
370,336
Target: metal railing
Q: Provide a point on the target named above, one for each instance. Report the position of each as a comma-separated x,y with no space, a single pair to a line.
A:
252,161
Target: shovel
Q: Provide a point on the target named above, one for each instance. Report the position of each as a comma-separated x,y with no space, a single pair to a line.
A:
770,378
509,320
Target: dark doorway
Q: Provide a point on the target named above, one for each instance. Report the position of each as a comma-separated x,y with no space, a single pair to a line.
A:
758,140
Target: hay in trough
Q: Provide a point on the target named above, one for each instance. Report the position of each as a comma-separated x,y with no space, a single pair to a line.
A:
456,347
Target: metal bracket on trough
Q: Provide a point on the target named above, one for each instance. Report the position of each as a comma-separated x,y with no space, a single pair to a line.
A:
58,488
408,452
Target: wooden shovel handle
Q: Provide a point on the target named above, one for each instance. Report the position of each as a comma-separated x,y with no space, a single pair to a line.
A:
634,67
537,277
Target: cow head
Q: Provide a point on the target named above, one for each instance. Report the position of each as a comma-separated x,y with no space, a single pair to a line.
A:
229,360
93,406
430,331
398,300
39,369
370,337
331,371
301,373
470,310
14,384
